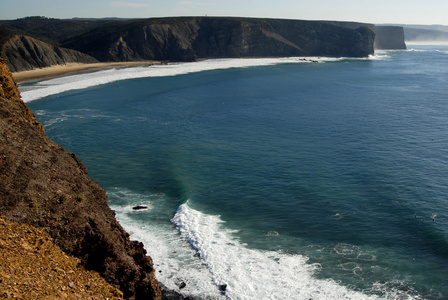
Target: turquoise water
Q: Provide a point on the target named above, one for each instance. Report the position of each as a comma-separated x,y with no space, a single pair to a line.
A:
278,179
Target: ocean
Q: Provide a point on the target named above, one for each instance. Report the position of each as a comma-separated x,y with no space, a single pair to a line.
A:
288,178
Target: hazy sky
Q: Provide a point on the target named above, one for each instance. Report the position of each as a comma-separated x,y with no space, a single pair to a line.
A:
371,11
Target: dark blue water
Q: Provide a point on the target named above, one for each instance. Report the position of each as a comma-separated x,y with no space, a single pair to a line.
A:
320,180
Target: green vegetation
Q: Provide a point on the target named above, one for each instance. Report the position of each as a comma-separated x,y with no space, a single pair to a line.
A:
34,205
81,198
7,33
64,198
53,31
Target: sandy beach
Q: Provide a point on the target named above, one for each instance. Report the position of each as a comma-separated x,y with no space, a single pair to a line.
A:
59,70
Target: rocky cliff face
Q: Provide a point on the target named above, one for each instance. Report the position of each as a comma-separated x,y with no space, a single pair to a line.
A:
389,38
44,185
26,53
186,39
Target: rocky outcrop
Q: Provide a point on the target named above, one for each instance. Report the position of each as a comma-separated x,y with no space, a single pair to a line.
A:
389,38
26,53
46,186
187,39
386,37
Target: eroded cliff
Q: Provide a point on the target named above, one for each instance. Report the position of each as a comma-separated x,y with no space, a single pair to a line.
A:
190,38
26,53
46,186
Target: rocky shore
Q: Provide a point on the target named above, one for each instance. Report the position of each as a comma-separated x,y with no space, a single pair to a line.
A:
46,186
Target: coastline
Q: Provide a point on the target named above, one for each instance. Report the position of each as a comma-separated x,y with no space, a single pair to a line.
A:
59,70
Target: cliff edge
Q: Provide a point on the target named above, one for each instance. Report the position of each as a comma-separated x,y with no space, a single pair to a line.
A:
46,186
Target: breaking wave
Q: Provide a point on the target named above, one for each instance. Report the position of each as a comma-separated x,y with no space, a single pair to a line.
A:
45,88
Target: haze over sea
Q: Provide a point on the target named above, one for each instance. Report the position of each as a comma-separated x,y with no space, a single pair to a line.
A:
271,178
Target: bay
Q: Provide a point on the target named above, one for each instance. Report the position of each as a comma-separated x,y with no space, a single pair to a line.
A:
283,180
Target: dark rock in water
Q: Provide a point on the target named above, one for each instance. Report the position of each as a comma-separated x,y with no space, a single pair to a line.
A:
168,294
41,184
182,285
223,287
139,207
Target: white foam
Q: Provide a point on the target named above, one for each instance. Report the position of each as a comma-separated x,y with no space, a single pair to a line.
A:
174,259
55,86
249,273
196,255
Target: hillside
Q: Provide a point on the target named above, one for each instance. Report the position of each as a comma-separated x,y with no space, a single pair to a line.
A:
24,52
53,31
44,185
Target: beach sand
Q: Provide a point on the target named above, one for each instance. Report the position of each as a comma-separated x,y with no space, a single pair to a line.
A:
58,70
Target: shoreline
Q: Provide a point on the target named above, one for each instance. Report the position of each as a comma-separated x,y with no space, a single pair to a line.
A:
60,70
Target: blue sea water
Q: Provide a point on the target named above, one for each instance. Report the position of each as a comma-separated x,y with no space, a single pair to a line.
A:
273,178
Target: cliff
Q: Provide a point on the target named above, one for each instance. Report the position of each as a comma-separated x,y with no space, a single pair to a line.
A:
187,39
44,185
180,39
389,38
26,53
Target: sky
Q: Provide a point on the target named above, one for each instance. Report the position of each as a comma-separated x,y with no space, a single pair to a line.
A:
425,12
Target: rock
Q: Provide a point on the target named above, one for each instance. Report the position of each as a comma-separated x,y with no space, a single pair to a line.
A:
139,207
389,38
44,272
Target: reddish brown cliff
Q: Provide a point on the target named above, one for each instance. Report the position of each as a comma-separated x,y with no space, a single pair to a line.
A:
44,185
